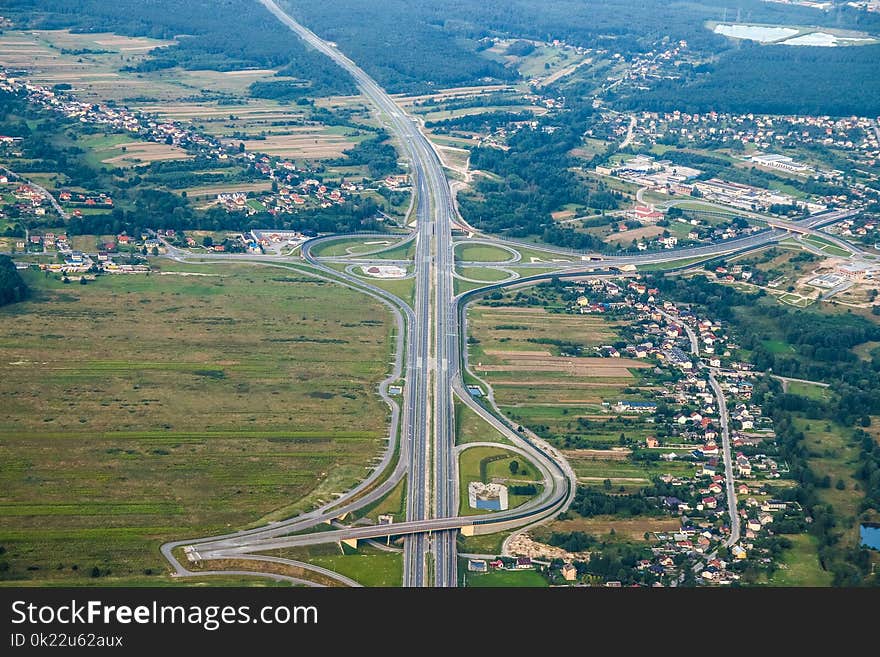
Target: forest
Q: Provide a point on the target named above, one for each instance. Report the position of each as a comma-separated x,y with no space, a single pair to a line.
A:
376,153
775,80
396,41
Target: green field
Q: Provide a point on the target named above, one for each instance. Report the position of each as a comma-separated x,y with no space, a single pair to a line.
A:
471,428
516,353
625,472
489,464
809,390
507,579
539,255
393,503
827,247
480,253
459,286
484,274
401,252
137,409
778,347
482,543
403,288
353,246
368,566
801,564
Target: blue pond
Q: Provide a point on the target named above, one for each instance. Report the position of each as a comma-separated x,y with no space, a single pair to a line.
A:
870,535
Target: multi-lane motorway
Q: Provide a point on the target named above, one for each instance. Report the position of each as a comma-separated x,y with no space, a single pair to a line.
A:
433,327
432,362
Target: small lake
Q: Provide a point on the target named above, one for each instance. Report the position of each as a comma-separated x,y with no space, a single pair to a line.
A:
870,535
761,33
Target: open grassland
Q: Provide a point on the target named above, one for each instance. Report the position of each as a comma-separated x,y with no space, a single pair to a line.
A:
406,251
367,566
800,564
507,579
394,503
305,143
826,247
120,151
493,464
142,408
471,428
484,274
546,63
627,236
402,288
461,286
809,390
482,543
480,253
593,467
353,246
630,529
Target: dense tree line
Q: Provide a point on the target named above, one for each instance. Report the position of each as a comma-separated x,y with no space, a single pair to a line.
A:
376,153
590,502
485,122
12,287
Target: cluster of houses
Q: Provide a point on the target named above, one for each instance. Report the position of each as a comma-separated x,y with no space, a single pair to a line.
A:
288,197
504,563
650,67
113,116
292,191
662,331
29,201
85,200
765,132
864,228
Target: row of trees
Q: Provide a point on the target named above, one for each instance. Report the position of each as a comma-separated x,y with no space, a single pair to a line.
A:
12,287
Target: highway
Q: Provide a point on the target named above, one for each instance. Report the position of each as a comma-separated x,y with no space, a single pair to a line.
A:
433,335
429,372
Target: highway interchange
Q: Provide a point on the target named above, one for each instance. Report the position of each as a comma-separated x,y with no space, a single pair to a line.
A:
430,358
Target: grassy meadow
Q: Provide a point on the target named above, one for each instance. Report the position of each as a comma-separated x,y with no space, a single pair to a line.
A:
137,409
